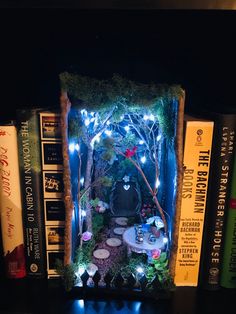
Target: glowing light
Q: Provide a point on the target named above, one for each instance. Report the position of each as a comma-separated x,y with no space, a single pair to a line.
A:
84,112
165,240
141,142
151,117
108,132
77,147
145,117
139,270
80,270
158,137
87,121
83,213
95,139
126,128
108,122
157,183
72,147
143,159
80,304
82,181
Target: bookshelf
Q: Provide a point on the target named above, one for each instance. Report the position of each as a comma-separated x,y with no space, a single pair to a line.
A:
192,47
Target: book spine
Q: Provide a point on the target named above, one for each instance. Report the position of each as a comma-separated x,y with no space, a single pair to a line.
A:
10,204
218,198
31,183
228,270
196,159
54,210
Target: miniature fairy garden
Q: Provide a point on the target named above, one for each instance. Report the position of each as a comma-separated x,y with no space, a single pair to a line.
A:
122,182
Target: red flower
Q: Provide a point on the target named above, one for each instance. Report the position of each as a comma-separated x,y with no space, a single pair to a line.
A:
129,153
156,253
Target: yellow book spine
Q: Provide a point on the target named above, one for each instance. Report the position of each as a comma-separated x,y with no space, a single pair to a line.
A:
197,155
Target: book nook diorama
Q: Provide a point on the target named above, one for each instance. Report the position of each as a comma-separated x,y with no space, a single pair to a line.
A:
122,173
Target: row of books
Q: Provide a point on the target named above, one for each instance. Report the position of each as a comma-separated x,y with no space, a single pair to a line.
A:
206,253
32,208
207,228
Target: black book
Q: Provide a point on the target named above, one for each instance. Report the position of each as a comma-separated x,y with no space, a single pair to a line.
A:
218,198
29,152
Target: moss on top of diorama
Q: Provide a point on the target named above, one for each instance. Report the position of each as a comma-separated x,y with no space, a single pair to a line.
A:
117,90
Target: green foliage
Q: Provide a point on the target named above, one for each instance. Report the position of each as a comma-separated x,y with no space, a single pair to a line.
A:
130,265
159,268
84,253
106,181
118,91
67,273
94,202
129,140
166,119
97,224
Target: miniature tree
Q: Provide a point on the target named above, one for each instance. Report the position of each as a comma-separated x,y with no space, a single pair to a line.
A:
131,119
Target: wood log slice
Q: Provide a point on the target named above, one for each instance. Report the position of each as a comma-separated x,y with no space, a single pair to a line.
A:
113,242
119,230
101,254
121,221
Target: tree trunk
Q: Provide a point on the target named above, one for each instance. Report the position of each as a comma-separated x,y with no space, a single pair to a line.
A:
65,109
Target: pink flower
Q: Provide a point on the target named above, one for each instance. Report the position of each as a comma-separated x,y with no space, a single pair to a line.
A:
86,236
156,254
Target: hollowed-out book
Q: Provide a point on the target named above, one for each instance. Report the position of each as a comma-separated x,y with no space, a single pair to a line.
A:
122,175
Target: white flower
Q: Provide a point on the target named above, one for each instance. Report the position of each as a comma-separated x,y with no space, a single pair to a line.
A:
156,220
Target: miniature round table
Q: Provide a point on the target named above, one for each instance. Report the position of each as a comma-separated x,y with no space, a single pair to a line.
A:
144,247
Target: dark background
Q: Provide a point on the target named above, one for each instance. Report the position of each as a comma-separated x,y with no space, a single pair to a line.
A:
193,48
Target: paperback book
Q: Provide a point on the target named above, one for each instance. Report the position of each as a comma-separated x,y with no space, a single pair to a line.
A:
228,268
29,152
196,166
10,204
221,170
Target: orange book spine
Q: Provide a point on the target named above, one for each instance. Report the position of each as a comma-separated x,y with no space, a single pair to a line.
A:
197,155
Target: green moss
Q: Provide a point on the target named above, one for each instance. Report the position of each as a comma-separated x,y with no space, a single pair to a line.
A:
97,94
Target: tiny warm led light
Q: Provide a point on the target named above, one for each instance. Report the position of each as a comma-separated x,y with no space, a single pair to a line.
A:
157,183
143,159
165,240
139,270
72,147
77,147
87,121
108,132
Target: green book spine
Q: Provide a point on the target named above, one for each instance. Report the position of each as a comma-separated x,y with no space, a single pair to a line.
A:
29,151
228,272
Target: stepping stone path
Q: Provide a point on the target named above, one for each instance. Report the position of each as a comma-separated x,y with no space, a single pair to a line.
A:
111,250
119,230
101,253
113,242
121,221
